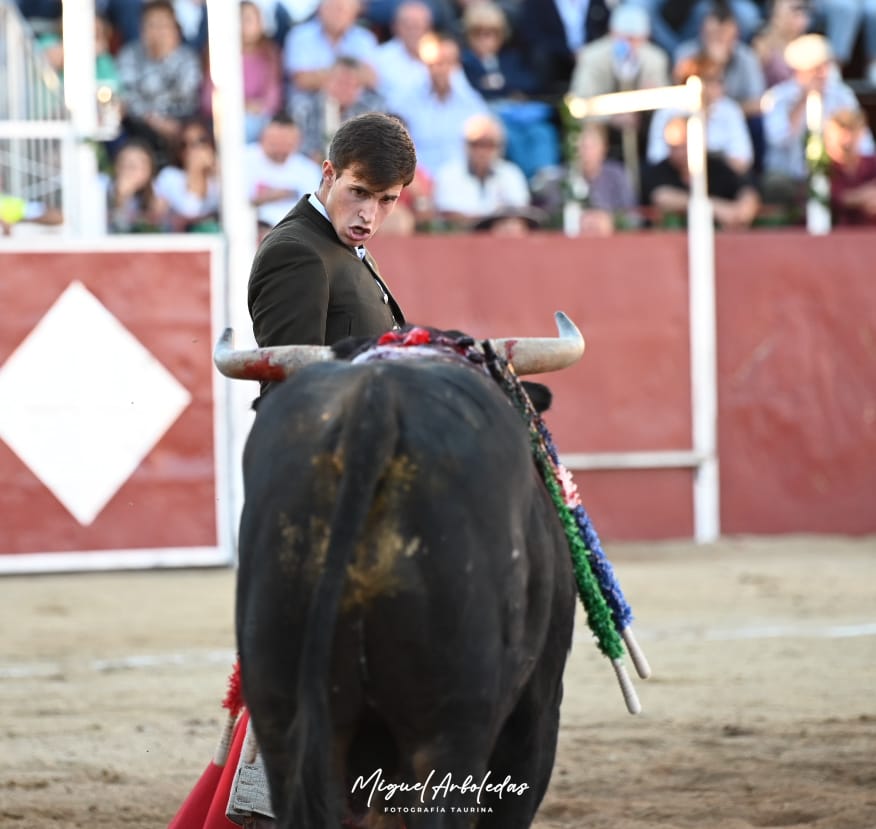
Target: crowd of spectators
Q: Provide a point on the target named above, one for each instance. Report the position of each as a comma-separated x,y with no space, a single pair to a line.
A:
481,85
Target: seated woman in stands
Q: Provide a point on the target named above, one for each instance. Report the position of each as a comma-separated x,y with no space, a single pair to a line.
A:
133,206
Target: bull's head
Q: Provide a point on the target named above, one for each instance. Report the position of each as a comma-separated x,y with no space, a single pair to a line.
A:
528,355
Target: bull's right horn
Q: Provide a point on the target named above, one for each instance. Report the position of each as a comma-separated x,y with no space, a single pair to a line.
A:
272,363
536,355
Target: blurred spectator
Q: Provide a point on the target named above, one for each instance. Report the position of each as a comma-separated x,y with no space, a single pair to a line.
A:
105,70
840,20
551,33
192,18
785,171
437,111
734,199
727,134
512,221
43,16
277,173
380,15
788,20
852,175
622,60
125,17
311,48
133,206
672,21
161,79
343,96
448,15
190,185
719,40
280,16
398,63
675,21
262,73
469,188
600,189
497,71
415,209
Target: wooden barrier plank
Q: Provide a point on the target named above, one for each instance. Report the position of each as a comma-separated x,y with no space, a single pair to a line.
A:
162,298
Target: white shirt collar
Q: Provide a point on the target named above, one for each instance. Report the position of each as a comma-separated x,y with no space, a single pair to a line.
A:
319,206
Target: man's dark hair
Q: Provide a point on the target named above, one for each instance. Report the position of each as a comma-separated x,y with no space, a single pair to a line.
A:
378,146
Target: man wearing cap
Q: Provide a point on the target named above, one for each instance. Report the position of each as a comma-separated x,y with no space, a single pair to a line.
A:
623,59
785,127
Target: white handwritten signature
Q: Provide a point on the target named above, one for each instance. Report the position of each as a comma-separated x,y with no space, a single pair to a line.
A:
442,788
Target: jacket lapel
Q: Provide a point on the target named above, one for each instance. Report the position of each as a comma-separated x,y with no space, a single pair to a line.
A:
397,314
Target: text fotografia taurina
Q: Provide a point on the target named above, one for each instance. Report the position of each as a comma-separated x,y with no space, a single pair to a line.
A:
440,788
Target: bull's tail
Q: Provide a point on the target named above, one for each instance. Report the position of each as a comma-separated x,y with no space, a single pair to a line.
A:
366,445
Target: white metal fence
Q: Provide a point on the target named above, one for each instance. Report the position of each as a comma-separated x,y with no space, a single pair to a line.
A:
36,136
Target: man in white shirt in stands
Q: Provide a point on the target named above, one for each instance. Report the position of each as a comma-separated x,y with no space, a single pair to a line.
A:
727,132
398,62
482,182
277,173
311,48
436,111
784,120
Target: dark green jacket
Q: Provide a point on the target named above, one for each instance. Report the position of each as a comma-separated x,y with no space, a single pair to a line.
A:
307,287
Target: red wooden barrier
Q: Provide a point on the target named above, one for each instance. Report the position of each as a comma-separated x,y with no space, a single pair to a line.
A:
107,454
796,360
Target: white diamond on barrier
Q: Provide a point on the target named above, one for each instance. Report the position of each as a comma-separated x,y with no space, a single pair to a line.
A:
82,402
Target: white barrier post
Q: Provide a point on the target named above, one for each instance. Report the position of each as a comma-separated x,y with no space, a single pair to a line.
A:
703,341
238,223
701,298
84,205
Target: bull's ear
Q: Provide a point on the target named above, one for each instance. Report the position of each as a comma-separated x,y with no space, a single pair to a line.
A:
350,346
540,395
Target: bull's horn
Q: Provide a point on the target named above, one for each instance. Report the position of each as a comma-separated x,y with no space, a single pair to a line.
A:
274,363
536,355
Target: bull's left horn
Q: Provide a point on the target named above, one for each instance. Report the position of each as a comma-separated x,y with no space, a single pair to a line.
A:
273,363
536,355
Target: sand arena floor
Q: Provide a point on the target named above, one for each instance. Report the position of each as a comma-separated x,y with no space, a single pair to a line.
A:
761,711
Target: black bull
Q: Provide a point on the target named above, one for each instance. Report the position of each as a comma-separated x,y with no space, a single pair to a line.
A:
405,599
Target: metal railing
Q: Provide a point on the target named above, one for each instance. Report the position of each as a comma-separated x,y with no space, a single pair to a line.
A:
36,135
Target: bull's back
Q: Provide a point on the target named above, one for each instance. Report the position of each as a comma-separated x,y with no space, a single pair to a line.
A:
454,519
455,562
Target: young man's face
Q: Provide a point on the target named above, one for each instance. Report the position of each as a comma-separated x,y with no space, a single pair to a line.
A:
355,207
